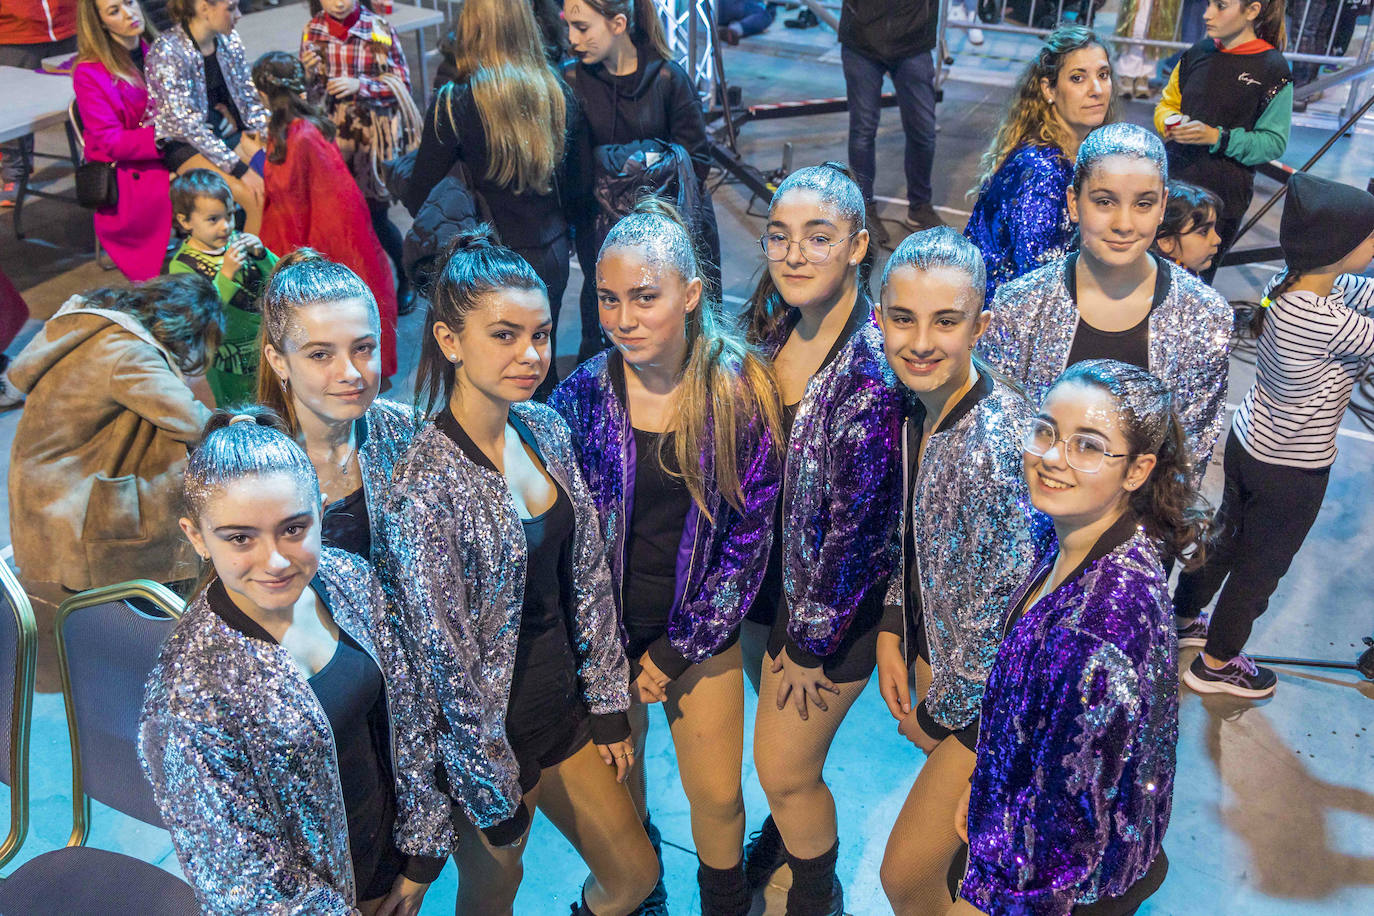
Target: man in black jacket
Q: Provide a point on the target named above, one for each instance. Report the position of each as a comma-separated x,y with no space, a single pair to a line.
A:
895,37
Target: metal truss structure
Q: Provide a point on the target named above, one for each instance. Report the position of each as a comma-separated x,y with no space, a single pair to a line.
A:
690,28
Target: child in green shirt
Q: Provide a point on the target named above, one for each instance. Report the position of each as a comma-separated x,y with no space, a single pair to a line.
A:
238,265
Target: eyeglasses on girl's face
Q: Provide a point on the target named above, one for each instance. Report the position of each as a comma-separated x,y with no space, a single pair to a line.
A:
816,249
1084,452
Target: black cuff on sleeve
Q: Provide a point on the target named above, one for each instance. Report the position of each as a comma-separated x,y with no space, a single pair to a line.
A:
802,656
610,727
509,830
424,869
669,660
240,169
929,725
892,620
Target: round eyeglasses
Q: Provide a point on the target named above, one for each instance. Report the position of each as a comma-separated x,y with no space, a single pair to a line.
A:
815,249
1083,451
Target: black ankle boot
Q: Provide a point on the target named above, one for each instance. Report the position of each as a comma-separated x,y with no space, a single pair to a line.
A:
763,855
815,890
656,904
724,891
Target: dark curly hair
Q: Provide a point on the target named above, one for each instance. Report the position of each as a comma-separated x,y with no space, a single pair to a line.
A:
182,312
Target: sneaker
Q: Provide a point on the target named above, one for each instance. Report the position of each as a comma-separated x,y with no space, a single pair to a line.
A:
763,854
10,396
1193,634
7,195
922,217
877,232
975,36
1240,677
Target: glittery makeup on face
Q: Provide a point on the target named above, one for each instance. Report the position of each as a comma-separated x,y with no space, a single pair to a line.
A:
644,311
332,360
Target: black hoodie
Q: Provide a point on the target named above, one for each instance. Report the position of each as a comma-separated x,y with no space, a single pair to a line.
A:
656,102
888,30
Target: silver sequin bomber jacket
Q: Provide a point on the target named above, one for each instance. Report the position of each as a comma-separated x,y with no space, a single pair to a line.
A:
455,568
390,427
177,99
1033,323
242,759
976,537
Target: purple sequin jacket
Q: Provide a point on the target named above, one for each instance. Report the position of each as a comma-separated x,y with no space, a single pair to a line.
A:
841,485
1073,786
455,571
242,759
720,563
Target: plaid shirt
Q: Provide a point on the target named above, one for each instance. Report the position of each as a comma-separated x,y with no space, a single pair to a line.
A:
359,56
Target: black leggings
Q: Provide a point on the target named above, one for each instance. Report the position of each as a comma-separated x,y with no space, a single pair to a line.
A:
1266,512
387,233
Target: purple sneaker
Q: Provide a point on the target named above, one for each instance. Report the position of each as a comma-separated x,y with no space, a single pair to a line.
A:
1240,677
1194,634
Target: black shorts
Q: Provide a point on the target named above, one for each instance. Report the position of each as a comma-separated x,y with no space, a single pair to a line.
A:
853,660
549,743
176,153
1125,905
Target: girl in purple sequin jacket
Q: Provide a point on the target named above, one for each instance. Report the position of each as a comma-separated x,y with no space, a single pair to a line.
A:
1072,790
675,431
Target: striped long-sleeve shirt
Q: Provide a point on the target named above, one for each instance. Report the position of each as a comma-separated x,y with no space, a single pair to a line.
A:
1310,352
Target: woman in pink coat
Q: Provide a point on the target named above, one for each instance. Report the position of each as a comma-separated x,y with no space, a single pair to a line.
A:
112,99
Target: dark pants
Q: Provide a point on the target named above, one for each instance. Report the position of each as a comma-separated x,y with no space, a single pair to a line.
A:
914,80
1266,512
1227,227
1191,28
387,234
753,16
1312,33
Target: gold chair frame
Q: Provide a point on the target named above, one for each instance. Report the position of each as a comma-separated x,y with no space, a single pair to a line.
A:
160,596
21,716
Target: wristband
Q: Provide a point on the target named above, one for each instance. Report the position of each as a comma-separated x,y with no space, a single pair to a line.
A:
1223,138
240,169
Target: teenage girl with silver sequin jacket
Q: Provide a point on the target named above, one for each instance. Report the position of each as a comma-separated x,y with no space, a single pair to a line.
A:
277,730
1114,299
674,430
496,564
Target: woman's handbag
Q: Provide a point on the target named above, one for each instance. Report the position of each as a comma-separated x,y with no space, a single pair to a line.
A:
97,186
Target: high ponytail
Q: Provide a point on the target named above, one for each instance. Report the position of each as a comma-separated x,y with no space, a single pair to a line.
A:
645,28
1271,25
725,382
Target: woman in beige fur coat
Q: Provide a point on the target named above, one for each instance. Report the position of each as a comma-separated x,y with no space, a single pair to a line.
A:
95,472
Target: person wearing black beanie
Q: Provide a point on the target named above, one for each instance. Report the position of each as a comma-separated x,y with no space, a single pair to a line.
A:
1316,335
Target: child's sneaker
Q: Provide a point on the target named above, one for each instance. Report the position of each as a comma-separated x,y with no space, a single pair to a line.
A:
1240,677
1193,634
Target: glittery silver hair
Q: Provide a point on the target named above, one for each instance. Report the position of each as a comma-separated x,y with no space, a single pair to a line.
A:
1146,403
230,451
940,247
1119,139
664,241
306,277
834,186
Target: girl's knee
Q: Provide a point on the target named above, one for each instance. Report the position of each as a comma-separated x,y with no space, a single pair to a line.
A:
635,879
717,803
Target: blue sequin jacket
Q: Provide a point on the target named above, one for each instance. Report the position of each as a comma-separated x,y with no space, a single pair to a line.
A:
455,570
1032,329
976,537
841,487
1072,790
177,99
1021,218
720,559
242,761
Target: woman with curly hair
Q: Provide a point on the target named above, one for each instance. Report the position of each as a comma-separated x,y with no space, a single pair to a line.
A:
1021,217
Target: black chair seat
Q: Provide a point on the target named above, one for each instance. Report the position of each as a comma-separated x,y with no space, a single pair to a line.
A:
81,881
